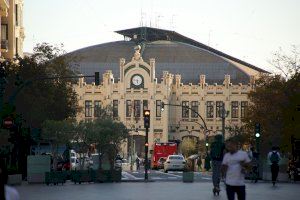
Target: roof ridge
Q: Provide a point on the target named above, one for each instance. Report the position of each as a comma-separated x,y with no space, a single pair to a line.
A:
154,34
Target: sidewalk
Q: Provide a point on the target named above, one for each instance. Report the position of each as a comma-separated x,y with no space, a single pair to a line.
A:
152,190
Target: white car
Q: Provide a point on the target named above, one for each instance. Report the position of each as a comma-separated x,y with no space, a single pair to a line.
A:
174,162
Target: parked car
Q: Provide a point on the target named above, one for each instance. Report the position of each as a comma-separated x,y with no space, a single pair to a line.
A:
161,162
174,162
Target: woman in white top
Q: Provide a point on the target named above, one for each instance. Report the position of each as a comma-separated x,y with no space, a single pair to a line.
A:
234,164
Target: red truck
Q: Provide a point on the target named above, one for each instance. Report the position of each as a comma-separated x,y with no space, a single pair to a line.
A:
162,150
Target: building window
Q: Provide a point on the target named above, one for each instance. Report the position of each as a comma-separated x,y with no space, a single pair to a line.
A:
137,108
194,108
210,109
219,108
158,108
88,108
17,46
145,105
17,15
128,108
244,105
4,32
185,110
115,108
4,36
234,109
97,108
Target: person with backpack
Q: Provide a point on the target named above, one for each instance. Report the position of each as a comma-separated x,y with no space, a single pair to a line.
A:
216,154
274,158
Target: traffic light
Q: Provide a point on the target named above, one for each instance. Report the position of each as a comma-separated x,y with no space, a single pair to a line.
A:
257,130
146,118
97,78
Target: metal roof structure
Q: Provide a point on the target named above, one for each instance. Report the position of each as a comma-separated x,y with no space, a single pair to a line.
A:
173,52
142,34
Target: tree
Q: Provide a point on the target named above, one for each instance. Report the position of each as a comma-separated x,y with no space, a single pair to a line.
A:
239,134
291,111
189,146
108,136
81,141
104,132
274,105
287,65
36,97
57,133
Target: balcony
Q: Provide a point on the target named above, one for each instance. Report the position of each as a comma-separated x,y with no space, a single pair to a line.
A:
4,45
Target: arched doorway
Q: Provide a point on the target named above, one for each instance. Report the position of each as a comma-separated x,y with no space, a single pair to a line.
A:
136,144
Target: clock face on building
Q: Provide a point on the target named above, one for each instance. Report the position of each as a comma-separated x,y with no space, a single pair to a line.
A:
137,80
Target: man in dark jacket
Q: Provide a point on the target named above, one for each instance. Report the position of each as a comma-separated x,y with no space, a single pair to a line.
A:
216,154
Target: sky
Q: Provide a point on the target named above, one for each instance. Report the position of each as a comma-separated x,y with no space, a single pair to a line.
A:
251,30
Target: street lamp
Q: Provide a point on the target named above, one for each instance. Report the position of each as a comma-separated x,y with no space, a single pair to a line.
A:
187,107
223,115
198,115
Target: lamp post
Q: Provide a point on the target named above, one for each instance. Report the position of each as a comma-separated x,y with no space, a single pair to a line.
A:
198,115
131,153
223,115
205,134
187,107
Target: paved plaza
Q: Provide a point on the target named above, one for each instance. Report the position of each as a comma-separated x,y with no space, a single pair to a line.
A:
173,190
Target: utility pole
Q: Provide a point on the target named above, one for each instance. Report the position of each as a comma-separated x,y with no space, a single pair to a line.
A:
147,126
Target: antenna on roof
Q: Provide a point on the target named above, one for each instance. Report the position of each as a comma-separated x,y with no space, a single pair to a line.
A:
142,22
209,37
172,23
157,20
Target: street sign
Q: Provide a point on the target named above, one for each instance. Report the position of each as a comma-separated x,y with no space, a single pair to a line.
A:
8,122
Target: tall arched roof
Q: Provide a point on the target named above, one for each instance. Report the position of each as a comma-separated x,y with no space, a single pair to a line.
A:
173,52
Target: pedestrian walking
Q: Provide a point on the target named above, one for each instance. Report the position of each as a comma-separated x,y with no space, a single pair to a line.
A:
137,162
254,173
216,154
6,192
274,158
199,163
207,162
234,166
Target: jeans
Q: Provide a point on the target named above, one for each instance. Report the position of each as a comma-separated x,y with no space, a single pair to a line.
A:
239,190
216,175
274,171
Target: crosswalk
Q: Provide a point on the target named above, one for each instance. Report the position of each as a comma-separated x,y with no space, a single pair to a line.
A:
161,176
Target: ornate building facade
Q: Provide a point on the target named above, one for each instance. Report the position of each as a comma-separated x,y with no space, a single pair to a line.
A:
12,30
141,84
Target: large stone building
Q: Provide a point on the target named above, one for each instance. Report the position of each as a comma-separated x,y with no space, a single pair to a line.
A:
12,30
152,66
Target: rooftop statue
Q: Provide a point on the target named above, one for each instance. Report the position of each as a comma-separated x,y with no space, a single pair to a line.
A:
137,54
